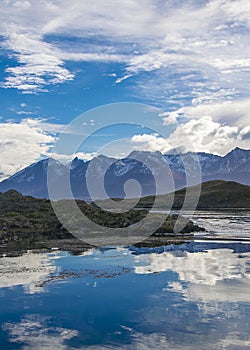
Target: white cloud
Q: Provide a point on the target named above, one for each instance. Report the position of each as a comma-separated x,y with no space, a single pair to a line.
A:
190,55
151,142
214,127
69,157
237,10
39,63
229,112
22,4
119,80
24,112
169,118
204,39
245,133
200,135
24,143
205,135
212,96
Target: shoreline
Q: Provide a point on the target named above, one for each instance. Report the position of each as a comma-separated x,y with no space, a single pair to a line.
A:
76,246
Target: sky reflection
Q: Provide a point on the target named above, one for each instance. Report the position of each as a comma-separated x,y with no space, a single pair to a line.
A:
175,297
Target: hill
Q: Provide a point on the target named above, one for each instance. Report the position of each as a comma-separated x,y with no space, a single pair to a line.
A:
216,194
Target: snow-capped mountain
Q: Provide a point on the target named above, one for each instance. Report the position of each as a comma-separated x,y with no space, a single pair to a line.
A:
169,171
32,180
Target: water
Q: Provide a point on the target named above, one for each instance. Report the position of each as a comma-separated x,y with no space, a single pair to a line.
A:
187,296
229,223
224,223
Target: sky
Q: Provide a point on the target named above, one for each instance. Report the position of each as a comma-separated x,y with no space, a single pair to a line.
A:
188,59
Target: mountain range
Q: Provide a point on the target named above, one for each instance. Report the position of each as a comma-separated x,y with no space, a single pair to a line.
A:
142,166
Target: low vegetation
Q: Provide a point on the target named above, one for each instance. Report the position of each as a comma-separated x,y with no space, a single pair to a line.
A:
216,194
32,219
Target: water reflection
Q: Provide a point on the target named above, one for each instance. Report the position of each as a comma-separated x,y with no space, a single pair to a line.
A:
33,332
234,223
193,296
26,270
217,274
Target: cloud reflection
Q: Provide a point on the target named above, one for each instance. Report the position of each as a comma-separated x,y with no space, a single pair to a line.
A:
26,270
34,332
214,275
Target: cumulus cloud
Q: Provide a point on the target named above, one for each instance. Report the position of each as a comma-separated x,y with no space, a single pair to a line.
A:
215,127
169,118
24,143
245,133
203,135
230,112
151,142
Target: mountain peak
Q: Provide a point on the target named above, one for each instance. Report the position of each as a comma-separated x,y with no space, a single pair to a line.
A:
102,157
76,160
12,194
238,152
135,154
32,180
238,149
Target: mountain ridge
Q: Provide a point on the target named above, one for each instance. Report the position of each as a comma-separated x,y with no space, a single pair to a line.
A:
214,194
141,166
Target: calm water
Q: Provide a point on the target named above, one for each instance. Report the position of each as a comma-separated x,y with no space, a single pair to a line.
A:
191,296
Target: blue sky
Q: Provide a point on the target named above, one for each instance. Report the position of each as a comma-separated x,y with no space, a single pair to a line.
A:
188,59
